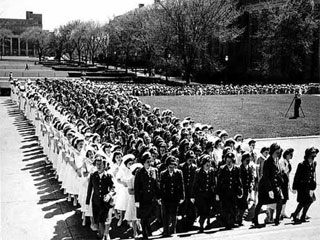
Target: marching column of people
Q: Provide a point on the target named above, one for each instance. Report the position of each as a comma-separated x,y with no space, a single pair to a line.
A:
118,158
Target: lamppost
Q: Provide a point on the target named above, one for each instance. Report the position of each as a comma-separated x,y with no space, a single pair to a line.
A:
167,66
226,70
115,58
135,57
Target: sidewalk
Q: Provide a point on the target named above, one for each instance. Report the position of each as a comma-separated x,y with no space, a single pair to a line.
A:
33,206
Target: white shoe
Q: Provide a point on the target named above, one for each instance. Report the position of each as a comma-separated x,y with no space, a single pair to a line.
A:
94,227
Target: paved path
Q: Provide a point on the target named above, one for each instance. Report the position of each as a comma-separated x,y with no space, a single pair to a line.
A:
33,207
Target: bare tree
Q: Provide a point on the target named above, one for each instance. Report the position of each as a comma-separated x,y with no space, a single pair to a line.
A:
39,37
78,36
193,23
4,36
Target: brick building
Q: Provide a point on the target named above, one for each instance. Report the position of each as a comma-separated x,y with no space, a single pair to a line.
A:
15,45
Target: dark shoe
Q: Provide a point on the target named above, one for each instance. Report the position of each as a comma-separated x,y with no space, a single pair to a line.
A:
294,218
276,222
255,221
292,117
303,219
201,230
165,235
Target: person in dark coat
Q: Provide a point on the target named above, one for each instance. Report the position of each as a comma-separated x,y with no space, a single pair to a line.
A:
102,186
171,194
146,186
188,169
270,184
203,190
247,179
229,189
305,183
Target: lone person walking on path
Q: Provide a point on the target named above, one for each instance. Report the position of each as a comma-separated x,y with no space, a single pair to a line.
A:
27,67
305,183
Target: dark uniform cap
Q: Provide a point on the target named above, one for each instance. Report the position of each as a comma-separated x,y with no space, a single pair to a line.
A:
204,159
171,160
245,155
311,150
190,154
230,155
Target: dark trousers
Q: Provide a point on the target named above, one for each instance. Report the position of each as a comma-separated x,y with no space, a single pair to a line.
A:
229,211
297,104
145,212
169,211
305,207
188,212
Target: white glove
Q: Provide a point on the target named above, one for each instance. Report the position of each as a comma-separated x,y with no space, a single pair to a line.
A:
217,198
271,195
107,197
294,191
137,204
192,200
181,201
311,193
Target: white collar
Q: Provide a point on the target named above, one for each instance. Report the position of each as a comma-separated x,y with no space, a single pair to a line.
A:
101,174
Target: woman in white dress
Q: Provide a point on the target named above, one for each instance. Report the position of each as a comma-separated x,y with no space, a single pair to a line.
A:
69,171
113,170
217,151
79,156
87,169
131,211
122,177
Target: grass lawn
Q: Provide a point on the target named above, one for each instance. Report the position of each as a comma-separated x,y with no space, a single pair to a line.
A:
260,116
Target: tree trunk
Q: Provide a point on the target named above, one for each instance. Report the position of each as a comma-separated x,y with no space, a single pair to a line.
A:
79,55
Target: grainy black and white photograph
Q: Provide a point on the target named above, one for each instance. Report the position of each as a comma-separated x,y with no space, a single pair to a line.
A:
159,119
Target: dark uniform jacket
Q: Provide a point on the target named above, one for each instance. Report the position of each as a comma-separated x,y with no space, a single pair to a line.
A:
100,187
189,172
146,186
271,180
247,179
204,183
229,182
171,187
304,181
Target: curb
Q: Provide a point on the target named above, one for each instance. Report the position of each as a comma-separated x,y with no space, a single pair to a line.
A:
288,138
